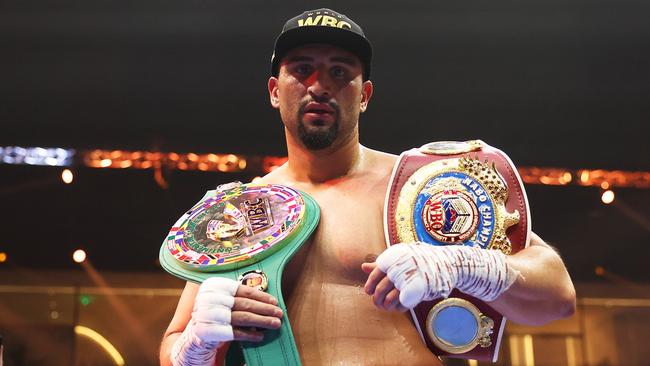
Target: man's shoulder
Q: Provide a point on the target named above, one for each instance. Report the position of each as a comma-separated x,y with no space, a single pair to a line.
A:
380,160
276,176
383,155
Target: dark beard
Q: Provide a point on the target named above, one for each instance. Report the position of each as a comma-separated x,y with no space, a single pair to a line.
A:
318,140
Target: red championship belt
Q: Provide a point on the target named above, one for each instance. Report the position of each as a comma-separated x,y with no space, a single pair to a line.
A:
458,193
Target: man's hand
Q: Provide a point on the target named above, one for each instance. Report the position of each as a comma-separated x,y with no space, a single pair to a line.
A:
384,294
406,274
224,310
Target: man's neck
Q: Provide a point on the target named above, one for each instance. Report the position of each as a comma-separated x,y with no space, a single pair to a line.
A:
317,167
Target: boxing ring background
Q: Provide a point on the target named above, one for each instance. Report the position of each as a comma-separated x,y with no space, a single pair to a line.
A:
150,103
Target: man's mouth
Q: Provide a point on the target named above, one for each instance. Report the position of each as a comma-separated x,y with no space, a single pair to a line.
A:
319,109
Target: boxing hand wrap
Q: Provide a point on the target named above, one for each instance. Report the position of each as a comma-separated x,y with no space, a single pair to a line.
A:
209,326
423,272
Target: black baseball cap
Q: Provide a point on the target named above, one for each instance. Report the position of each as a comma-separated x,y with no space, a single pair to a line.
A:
322,26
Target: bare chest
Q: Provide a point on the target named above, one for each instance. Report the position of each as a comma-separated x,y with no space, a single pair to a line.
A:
350,231
324,287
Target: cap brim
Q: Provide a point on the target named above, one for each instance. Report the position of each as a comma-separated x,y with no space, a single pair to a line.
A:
345,39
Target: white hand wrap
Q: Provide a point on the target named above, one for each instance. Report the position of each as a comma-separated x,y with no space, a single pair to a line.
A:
423,272
209,326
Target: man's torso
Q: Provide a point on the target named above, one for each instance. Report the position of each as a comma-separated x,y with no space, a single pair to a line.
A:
333,320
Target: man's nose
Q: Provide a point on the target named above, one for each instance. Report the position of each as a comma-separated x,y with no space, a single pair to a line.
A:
320,85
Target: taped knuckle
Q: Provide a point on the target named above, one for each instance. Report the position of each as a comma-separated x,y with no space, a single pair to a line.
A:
393,255
219,315
219,284
212,299
215,332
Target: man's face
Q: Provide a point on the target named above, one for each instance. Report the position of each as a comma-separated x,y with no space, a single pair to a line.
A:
320,92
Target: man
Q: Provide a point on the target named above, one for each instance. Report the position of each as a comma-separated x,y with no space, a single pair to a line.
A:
342,306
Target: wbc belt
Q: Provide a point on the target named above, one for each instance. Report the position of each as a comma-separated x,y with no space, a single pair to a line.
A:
458,193
248,233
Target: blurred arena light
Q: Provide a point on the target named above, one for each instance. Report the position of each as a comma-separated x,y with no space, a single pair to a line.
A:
79,255
36,156
608,197
102,342
258,165
67,176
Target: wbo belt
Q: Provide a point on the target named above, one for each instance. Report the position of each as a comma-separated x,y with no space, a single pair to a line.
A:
248,233
458,193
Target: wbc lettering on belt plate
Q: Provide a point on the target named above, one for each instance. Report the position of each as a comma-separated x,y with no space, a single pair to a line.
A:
456,201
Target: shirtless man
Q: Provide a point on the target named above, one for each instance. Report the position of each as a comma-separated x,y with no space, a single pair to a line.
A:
343,309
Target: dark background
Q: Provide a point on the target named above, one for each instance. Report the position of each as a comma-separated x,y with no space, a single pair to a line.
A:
554,83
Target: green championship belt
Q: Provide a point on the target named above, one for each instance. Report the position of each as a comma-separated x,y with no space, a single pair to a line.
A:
248,233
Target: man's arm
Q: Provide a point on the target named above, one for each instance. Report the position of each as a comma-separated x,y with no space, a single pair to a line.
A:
250,308
531,287
178,323
543,292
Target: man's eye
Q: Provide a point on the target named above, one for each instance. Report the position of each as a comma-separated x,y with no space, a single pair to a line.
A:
338,72
304,69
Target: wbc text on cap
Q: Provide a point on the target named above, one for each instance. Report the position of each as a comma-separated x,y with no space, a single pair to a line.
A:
323,20
322,26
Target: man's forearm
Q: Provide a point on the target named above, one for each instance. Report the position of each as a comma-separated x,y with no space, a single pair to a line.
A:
165,349
543,292
168,342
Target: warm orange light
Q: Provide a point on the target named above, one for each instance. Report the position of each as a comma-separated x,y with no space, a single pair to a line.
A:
606,179
545,180
608,197
3,257
67,176
599,270
79,255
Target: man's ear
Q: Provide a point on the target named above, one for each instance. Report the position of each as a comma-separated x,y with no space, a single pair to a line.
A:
273,92
366,94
